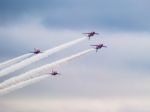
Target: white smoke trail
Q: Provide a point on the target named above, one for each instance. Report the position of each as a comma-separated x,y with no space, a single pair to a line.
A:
38,57
23,84
14,60
40,71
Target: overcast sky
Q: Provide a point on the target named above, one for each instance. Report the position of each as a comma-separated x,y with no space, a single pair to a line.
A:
115,79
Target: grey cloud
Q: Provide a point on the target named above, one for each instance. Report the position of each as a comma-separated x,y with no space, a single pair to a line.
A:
111,15
12,11
130,15
21,6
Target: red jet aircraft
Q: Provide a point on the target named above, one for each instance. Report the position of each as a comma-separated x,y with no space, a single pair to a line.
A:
54,73
99,46
36,51
90,34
